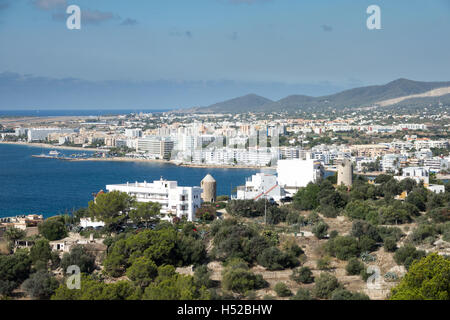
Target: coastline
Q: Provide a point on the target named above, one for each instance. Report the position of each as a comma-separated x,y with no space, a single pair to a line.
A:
186,165
50,146
124,159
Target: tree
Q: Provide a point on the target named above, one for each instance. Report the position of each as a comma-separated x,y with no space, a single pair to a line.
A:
418,198
13,234
325,285
143,271
95,290
320,230
307,198
80,257
112,208
170,285
282,290
361,210
427,279
190,250
41,285
394,214
53,228
41,253
145,212
14,269
7,287
362,228
302,275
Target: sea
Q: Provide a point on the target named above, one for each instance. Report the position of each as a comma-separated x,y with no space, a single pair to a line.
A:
73,112
50,187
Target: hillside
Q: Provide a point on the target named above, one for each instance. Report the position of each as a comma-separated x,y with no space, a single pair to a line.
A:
400,91
250,102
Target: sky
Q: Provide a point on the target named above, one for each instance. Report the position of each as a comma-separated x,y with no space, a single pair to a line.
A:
175,53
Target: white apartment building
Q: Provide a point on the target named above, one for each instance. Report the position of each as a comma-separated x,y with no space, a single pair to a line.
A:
260,186
294,174
156,147
41,134
429,144
257,157
133,133
435,164
175,200
391,162
416,173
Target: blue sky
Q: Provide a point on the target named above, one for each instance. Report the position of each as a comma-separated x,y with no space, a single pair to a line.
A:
178,53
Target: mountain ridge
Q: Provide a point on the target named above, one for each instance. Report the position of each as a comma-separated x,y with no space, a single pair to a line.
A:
397,91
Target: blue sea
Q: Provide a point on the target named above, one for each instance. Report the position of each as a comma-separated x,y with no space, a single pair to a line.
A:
70,112
48,186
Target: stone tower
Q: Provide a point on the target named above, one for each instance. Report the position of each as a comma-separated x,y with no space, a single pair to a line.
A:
345,173
209,186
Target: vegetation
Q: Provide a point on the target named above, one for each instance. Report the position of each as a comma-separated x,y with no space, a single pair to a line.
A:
282,290
53,228
427,279
302,275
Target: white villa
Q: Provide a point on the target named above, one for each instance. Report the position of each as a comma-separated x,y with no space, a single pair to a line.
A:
259,186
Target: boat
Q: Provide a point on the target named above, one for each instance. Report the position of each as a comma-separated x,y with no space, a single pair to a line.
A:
54,153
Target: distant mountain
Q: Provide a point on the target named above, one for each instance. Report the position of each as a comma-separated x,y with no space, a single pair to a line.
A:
400,91
250,102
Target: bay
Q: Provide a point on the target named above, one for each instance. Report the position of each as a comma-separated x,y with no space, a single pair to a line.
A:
47,186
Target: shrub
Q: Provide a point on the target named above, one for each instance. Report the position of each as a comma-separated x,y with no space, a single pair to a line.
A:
282,290
367,244
354,267
81,257
407,254
390,244
423,232
206,213
302,294
202,277
302,275
343,247
41,285
342,294
241,280
274,259
320,230
325,285
391,232
324,263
